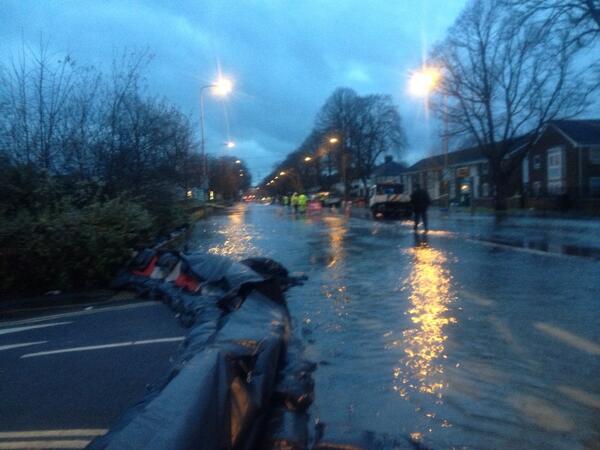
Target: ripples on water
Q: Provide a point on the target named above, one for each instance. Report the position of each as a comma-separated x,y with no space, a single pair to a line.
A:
406,351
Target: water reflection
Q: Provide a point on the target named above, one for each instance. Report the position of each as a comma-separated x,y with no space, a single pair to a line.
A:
238,236
337,229
424,343
335,288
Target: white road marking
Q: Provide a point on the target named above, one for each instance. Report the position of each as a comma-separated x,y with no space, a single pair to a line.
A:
83,432
31,327
80,313
24,344
100,347
34,445
569,338
580,396
475,298
515,248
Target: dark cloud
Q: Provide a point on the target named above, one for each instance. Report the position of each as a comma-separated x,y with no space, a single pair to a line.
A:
286,57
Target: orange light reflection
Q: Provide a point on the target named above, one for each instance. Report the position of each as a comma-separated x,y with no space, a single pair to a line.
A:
424,343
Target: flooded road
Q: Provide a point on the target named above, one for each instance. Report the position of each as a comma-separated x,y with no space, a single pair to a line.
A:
438,340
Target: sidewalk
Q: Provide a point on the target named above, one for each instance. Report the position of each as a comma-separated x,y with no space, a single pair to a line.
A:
557,235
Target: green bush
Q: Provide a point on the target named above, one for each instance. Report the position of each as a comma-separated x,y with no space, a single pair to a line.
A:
67,247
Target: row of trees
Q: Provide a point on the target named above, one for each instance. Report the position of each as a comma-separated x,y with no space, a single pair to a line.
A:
508,68
350,135
91,164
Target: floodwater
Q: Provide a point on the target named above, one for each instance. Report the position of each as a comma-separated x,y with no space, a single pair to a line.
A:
437,341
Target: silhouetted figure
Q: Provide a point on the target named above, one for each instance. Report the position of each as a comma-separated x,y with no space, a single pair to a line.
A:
420,202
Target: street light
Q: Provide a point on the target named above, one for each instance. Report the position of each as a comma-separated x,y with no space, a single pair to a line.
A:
230,144
307,159
333,140
424,81
421,84
221,87
282,173
238,161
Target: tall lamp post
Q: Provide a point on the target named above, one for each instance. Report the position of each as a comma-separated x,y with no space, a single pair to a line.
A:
221,88
422,83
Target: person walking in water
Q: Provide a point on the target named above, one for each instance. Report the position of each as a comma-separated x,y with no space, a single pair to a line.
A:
302,202
420,202
294,202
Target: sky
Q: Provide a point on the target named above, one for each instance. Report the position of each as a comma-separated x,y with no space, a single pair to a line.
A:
285,58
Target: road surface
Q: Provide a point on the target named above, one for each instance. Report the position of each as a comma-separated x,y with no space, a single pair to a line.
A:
467,337
66,377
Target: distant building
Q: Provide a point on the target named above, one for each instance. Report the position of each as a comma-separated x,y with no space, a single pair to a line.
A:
562,169
462,175
389,171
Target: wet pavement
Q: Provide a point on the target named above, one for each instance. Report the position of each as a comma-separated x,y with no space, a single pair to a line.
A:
66,377
468,337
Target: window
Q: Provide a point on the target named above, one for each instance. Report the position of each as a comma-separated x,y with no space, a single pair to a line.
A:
462,172
595,155
485,190
389,189
537,162
525,170
485,168
537,188
595,186
555,171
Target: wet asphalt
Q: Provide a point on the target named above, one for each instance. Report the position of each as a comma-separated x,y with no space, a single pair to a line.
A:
480,334
66,377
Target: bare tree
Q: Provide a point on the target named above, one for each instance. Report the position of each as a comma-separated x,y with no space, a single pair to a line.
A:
503,81
580,16
379,131
366,127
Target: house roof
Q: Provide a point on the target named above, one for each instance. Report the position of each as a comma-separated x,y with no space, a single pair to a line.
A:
582,132
389,169
464,156
456,157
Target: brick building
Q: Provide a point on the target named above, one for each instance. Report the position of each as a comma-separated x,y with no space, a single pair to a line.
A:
562,168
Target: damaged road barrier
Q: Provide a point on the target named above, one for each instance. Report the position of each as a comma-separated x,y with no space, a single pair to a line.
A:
239,379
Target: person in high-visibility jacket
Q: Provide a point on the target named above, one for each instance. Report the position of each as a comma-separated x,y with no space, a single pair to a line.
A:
302,202
294,201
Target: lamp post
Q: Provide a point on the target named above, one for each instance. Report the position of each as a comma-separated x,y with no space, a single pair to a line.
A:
221,87
422,83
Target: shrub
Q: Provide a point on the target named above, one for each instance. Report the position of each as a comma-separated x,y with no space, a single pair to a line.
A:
66,247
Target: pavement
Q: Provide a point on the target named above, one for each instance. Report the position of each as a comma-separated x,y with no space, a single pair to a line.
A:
65,377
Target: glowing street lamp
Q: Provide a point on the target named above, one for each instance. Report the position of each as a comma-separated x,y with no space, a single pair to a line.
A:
307,159
230,144
421,84
238,161
221,87
333,140
282,173
424,81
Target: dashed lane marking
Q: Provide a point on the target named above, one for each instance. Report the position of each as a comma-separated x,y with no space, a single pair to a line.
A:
31,327
24,344
79,313
566,337
34,445
101,347
36,434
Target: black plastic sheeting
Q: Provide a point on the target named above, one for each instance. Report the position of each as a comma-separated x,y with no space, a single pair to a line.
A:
240,381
